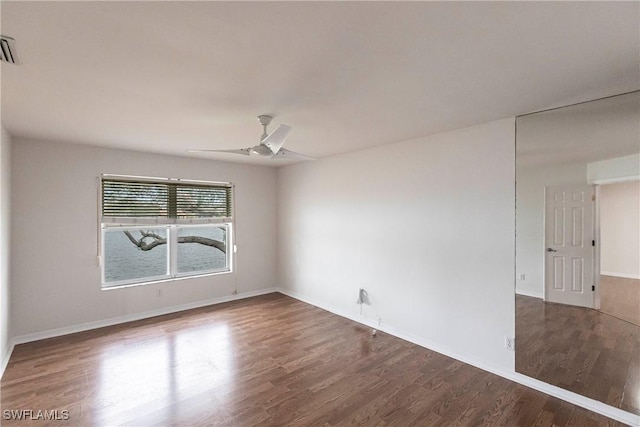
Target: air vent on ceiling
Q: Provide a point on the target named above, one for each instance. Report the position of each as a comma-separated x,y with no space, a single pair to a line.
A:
9,51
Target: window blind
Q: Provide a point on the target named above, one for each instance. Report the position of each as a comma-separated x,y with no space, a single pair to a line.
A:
129,201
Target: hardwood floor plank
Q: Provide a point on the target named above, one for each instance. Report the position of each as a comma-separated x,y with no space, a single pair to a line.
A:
620,297
268,361
579,349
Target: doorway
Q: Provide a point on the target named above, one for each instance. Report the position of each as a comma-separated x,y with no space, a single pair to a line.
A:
619,229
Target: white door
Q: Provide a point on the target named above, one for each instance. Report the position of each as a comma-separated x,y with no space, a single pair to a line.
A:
569,251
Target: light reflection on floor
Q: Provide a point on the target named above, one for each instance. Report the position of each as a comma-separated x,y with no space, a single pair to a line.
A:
146,377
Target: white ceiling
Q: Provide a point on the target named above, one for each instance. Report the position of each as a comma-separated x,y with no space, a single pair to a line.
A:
170,76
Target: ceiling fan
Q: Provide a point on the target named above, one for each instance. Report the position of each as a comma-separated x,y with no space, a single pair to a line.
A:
270,144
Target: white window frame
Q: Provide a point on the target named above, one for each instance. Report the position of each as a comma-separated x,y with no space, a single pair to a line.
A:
172,237
213,271
140,280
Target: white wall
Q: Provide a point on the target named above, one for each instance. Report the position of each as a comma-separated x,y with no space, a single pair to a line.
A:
620,229
616,169
5,228
55,276
425,226
530,183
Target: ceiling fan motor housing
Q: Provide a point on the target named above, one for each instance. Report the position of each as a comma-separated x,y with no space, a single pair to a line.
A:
264,120
262,150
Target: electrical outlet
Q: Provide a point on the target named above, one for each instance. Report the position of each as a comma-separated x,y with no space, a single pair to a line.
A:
510,343
379,321
159,293
522,277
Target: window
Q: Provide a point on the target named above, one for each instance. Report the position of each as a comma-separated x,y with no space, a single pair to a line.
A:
199,249
154,229
124,262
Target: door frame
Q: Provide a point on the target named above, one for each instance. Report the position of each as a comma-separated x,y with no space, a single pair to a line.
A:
596,248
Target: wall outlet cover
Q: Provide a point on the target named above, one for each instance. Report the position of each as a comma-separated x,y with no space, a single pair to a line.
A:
510,343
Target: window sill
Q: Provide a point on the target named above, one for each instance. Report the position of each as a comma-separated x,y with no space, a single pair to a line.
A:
169,279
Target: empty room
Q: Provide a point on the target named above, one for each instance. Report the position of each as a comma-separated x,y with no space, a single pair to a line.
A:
319,213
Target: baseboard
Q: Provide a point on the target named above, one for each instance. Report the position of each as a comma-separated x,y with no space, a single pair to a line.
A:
137,316
574,398
623,275
529,294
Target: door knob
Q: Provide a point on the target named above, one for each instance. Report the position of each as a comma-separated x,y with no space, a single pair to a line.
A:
551,250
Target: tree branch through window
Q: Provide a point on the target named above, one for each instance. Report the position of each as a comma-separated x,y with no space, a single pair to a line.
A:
149,240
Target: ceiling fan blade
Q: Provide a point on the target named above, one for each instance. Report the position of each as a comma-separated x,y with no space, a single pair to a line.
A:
244,151
283,153
275,140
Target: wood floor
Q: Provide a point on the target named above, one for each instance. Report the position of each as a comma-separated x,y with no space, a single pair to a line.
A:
579,349
268,361
620,297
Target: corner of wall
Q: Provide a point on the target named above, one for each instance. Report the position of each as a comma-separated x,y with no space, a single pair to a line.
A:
5,228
